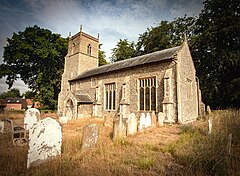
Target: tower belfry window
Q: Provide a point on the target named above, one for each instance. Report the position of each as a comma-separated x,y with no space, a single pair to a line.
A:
89,49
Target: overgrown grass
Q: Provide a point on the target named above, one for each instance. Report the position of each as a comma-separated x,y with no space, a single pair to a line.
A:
210,154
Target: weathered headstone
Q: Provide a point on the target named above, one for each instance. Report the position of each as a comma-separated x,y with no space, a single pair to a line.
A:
63,119
107,120
45,141
148,121
1,126
208,109
142,122
132,124
31,117
160,118
210,125
119,127
154,119
89,136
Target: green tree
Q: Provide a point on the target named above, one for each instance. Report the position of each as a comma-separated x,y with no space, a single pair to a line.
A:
216,52
12,93
101,57
36,55
166,35
123,50
29,94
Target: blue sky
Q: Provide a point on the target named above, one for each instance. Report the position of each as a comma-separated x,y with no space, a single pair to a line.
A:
113,20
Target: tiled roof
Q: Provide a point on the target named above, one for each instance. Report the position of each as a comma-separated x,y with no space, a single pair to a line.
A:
136,61
14,100
83,98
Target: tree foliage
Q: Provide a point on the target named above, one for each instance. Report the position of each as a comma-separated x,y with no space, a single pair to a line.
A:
123,50
101,57
165,35
36,55
12,93
216,52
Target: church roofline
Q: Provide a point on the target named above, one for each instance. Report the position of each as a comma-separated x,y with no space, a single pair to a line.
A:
162,55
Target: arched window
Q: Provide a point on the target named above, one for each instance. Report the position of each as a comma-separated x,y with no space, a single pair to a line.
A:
89,49
147,94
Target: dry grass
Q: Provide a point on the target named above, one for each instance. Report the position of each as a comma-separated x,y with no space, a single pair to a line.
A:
210,154
169,150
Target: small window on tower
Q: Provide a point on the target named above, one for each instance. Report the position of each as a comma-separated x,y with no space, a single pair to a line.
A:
89,48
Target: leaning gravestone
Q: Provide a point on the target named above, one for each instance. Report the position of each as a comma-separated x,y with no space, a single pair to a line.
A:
45,141
31,116
132,124
142,122
89,136
148,121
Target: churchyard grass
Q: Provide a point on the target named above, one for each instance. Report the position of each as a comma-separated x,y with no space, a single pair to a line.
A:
192,152
210,154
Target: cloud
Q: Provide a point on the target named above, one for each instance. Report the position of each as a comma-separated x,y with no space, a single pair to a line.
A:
188,7
113,19
18,85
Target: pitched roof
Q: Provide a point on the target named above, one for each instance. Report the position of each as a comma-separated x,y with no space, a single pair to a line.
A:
136,61
83,98
14,100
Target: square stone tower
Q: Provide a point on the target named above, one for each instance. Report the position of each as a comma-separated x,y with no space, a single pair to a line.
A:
82,55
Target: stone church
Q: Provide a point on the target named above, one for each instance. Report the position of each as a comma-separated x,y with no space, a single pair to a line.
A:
163,81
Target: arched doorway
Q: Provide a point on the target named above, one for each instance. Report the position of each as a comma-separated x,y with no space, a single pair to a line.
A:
69,109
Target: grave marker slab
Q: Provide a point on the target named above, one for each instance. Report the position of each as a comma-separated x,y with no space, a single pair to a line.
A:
119,127
89,136
45,141
31,116
1,126
132,124
154,119
142,122
148,121
160,118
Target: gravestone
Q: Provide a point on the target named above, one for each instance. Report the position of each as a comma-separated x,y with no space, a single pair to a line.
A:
63,120
107,120
132,124
45,141
142,122
160,118
119,127
89,136
154,119
210,125
1,126
148,121
208,109
31,116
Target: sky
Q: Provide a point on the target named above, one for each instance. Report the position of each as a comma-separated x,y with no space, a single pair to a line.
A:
112,19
